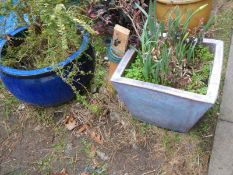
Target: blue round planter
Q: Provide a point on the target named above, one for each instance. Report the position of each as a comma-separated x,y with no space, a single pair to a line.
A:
43,86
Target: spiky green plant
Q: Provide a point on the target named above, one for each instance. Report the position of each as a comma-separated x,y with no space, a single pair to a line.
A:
168,49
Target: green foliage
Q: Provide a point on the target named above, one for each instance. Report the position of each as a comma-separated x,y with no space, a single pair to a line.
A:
99,75
170,141
59,147
100,70
44,165
200,76
135,71
51,37
198,85
7,102
86,147
203,53
176,59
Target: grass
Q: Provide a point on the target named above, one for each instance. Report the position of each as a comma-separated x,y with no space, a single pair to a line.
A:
8,101
44,116
100,71
86,147
59,147
205,128
224,32
44,165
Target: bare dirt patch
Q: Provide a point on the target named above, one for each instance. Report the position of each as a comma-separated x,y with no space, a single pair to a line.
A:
39,143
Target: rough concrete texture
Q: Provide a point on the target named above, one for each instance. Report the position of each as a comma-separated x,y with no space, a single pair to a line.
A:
222,157
221,162
227,103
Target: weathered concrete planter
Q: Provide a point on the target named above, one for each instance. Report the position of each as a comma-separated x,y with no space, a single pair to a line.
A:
164,106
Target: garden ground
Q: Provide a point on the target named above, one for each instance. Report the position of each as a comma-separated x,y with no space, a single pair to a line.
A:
36,141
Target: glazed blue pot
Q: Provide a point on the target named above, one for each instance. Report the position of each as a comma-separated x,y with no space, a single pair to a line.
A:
43,87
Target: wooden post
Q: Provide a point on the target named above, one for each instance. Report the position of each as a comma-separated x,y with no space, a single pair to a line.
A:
119,45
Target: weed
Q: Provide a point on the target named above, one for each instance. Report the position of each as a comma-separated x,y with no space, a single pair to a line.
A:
100,170
170,141
144,128
43,116
45,165
86,147
99,77
8,102
203,53
100,71
59,147
135,70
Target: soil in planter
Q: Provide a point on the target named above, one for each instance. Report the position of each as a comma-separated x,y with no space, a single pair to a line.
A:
192,77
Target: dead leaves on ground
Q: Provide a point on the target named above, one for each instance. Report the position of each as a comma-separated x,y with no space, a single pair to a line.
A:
70,122
96,137
84,174
83,128
63,172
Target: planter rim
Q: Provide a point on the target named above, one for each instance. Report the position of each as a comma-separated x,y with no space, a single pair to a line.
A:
176,2
44,70
213,85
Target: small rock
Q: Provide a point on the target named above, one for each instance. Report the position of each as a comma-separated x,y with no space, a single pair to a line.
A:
93,89
69,148
37,128
2,96
21,107
102,155
135,146
114,116
103,90
119,100
58,115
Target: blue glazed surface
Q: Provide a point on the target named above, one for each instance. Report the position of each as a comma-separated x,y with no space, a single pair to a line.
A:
42,86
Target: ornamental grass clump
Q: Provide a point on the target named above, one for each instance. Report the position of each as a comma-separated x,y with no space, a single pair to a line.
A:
171,54
52,33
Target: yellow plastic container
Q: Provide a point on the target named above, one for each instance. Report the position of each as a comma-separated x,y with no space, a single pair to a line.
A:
164,8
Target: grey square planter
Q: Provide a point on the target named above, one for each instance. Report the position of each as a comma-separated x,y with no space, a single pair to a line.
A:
164,106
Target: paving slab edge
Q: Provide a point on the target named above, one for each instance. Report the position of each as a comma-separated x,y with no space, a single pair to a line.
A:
219,164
